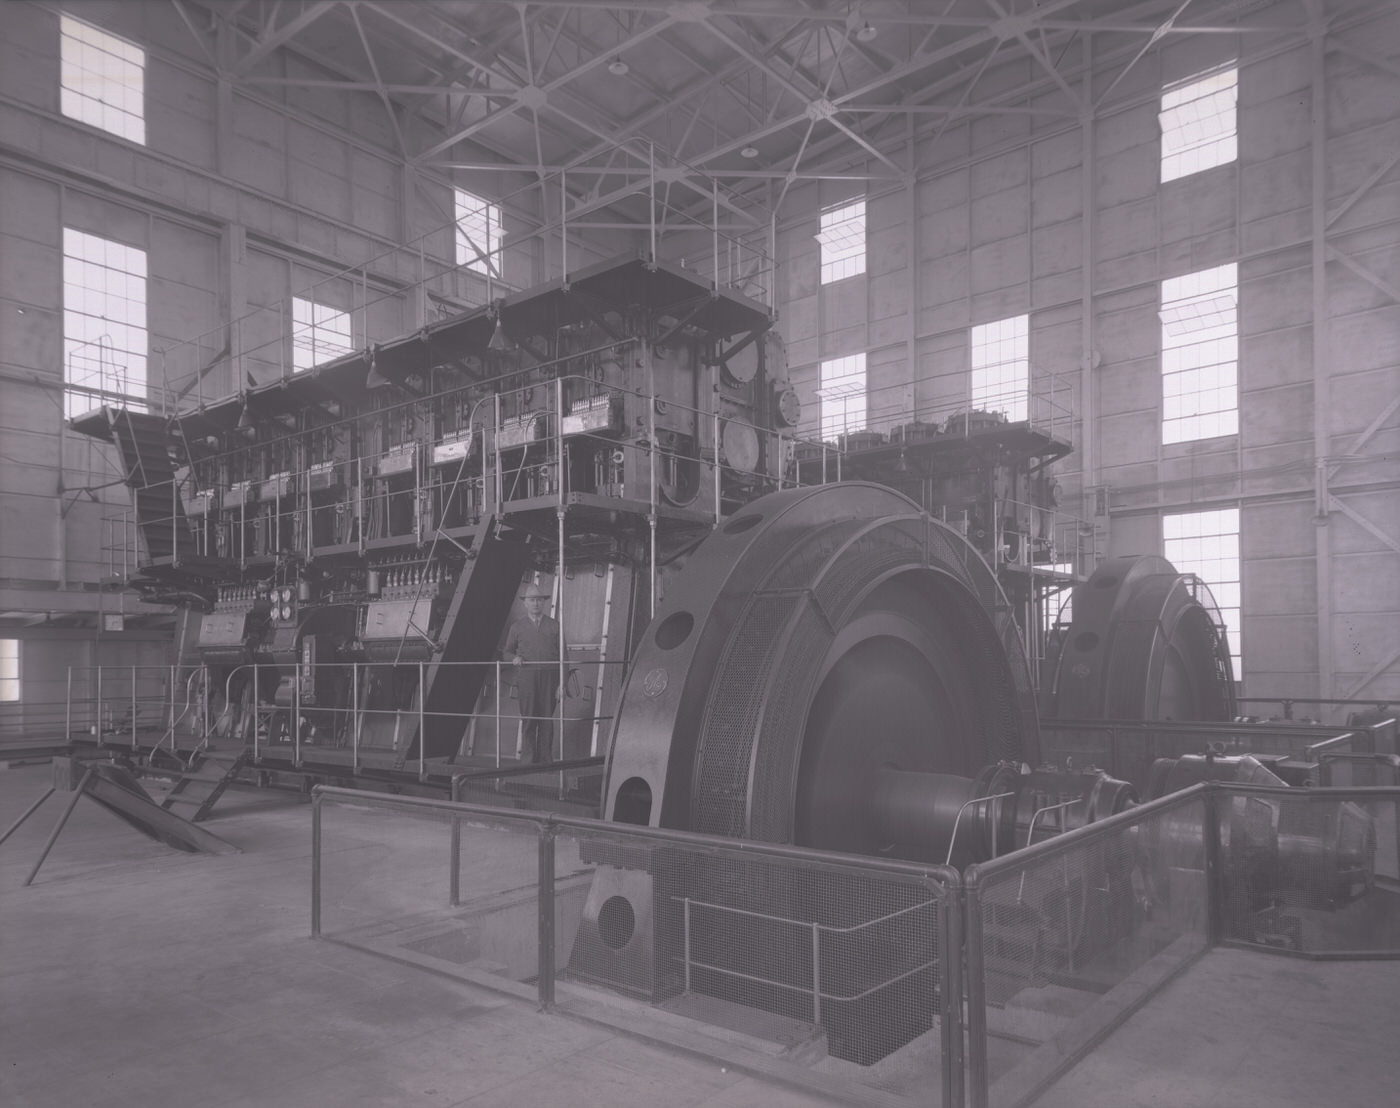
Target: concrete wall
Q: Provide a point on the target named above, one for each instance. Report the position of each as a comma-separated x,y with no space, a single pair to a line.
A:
993,224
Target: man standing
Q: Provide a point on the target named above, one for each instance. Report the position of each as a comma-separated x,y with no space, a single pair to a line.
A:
532,645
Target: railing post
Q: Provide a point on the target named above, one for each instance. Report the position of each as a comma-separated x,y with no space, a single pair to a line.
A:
454,884
296,710
422,725
68,710
316,863
950,961
98,725
257,753
685,938
498,713
1215,878
546,922
172,709
356,716
817,974
976,991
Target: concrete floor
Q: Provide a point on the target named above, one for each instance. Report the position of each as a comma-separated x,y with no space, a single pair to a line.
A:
134,975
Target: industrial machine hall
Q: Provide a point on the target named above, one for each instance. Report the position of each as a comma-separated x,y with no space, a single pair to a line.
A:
715,553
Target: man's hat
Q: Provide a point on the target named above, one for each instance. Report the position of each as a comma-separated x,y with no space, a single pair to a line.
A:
537,590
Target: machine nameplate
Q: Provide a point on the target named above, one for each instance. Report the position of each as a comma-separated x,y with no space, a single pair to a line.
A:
222,629
398,460
453,449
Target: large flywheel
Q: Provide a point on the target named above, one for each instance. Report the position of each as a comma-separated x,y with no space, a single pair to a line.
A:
831,668
1146,643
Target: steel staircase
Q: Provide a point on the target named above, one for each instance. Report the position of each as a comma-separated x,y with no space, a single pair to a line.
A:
143,440
198,790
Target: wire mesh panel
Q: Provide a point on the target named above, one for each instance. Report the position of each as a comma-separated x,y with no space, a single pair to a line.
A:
842,964
1311,871
845,969
1066,937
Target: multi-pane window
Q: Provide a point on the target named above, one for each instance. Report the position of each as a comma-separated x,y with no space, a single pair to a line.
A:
842,394
9,670
1208,545
1198,124
104,322
1001,370
1200,352
102,79
842,239
478,234
319,334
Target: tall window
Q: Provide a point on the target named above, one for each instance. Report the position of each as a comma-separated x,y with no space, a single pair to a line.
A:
1208,545
104,322
1200,352
1198,124
478,234
319,334
842,238
842,395
1001,368
9,671
102,79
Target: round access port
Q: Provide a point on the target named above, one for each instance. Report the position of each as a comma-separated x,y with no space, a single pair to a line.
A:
616,922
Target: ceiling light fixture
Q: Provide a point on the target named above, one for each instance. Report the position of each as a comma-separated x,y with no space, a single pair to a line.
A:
867,33
749,152
618,68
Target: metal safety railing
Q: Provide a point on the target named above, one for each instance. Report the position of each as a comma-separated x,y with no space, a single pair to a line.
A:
550,907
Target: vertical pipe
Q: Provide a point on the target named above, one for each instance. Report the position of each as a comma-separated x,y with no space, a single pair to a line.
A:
296,708
1087,227
714,229
651,463
173,707
315,864
685,939
68,710
98,725
1322,382
714,399
356,717
559,618
422,723
546,920
651,194
454,884
817,974
563,227
496,448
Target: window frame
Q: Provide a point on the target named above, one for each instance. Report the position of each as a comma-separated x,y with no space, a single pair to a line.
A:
468,253
1228,594
1200,354
841,256
101,301
845,380
989,386
321,350
11,683
1215,126
112,68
